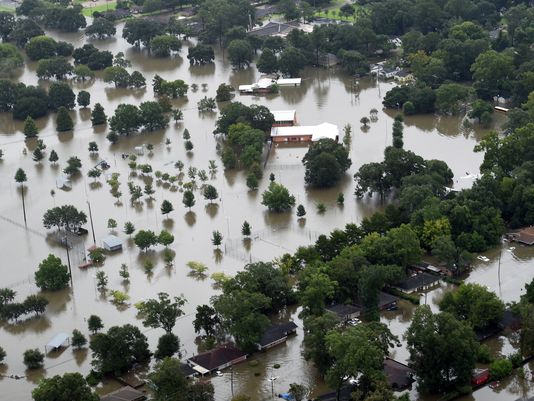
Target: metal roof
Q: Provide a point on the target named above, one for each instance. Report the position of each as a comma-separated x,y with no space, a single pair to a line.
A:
283,115
57,341
317,132
111,241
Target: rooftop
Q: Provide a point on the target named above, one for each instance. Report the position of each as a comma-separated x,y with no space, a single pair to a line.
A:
398,375
343,310
417,281
384,299
283,115
524,236
213,359
125,393
317,132
277,332
273,28
112,241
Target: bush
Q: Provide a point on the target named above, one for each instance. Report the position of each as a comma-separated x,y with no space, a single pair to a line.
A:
33,358
484,355
501,368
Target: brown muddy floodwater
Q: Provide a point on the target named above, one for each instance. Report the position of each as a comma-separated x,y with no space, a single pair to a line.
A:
324,96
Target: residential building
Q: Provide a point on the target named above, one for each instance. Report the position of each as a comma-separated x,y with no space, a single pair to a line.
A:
125,393
218,358
418,282
276,334
303,133
345,312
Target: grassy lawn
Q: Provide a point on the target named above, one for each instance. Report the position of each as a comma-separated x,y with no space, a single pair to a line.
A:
88,11
7,9
332,12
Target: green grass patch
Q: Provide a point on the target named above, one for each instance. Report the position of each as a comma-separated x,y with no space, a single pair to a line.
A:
88,11
332,12
5,9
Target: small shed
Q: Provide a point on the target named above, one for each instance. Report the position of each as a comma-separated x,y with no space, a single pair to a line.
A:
139,150
125,393
60,340
63,182
112,243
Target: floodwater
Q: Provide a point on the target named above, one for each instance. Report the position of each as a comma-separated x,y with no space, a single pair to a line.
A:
324,96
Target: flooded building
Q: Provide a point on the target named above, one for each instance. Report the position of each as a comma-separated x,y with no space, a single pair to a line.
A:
305,133
345,312
398,375
125,393
524,236
284,118
418,282
276,334
218,358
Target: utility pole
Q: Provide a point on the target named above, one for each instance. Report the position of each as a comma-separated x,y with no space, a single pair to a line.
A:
68,258
91,220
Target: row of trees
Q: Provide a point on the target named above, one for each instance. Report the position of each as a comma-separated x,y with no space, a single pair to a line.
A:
11,311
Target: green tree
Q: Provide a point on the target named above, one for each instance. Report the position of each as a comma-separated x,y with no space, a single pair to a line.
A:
492,72
188,199
200,54
168,381
33,359
63,120
291,61
7,24
139,31
224,93
55,67
51,274
53,158
301,212
451,97
166,207
161,312
268,62
60,95
500,369
246,229
40,47
30,129
165,238
206,319
353,62
252,181
83,72
442,350
152,116
315,348
474,304
119,349
118,76
210,193
101,28
481,110
129,228
37,155
83,99
240,53
168,346
2,354
298,391
73,166
98,116
70,386
358,352
240,315
162,45
325,163
145,239
35,303
94,324
216,238
277,198
78,340
125,120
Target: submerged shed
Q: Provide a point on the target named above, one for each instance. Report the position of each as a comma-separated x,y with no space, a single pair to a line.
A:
60,340
112,243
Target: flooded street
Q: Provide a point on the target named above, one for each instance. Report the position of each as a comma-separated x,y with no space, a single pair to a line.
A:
325,96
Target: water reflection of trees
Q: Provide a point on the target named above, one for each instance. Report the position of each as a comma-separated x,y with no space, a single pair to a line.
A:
206,70
36,324
190,218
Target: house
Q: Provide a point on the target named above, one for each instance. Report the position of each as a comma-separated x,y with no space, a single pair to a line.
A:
187,370
480,377
304,133
218,358
426,267
386,301
418,282
345,312
276,334
274,28
524,236
112,243
266,84
398,375
125,393
284,118
288,81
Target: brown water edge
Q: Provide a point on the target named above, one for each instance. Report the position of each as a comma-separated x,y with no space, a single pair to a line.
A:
324,96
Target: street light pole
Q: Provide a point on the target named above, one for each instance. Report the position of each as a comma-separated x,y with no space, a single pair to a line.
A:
91,219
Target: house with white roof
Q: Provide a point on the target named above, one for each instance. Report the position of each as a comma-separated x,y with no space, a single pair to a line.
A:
305,133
